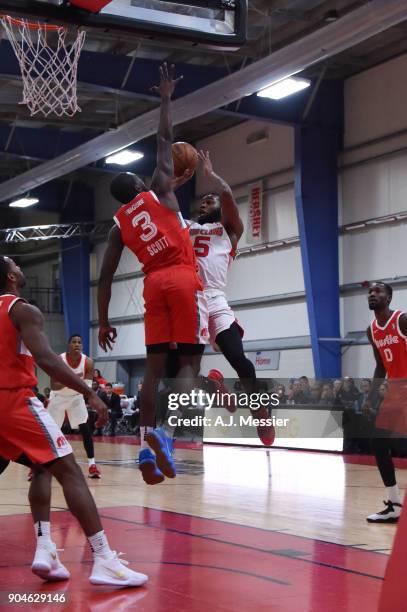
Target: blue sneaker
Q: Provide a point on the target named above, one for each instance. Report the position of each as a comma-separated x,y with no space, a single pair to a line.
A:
148,467
162,445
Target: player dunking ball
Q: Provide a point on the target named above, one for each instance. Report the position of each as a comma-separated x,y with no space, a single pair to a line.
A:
388,337
65,400
28,434
215,236
150,224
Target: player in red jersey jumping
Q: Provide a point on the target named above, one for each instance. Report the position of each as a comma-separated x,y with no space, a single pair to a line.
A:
388,336
150,224
29,435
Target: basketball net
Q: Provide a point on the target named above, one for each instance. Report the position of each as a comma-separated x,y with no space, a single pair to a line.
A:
49,73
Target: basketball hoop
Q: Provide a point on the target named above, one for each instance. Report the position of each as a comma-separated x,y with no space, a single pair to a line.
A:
48,63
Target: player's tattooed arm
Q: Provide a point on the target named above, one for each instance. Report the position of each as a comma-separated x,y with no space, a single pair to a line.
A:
230,211
107,334
163,175
379,372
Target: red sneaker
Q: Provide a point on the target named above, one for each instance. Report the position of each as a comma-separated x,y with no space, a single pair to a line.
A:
266,433
30,476
94,471
217,377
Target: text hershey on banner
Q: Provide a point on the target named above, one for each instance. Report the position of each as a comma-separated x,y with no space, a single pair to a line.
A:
255,224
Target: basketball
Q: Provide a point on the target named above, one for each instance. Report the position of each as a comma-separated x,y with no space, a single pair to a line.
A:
185,157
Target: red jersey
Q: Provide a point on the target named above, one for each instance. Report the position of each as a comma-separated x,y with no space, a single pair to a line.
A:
17,364
392,345
157,235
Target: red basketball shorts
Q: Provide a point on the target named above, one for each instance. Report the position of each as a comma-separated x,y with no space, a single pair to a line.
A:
175,307
27,428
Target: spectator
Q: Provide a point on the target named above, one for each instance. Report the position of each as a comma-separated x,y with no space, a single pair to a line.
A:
348,393
337,388
92,414
327,395
282,396
115,410
137,397
306,389
99,378
297,395
316,392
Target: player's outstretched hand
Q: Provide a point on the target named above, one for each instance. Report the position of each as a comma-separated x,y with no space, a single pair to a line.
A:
178,181
206,162
107,337
168,81
97,404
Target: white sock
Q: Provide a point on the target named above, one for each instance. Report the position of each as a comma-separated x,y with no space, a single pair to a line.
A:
43,532
100,546
143,432
92,461
393,494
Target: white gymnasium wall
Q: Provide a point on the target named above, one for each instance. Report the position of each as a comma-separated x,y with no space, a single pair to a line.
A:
373,183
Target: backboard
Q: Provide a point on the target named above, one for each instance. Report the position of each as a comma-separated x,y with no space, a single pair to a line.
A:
214,23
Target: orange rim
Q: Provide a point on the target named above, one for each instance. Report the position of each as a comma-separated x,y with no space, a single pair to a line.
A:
32,25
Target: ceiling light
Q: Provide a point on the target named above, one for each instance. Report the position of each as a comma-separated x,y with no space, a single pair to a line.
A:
124,158
24,202
284,88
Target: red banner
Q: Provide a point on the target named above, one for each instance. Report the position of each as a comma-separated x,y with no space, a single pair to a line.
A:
255,213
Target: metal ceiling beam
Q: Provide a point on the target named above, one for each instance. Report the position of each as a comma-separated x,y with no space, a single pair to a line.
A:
334,38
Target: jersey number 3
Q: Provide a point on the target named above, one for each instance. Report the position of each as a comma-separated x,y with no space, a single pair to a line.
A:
201,246
149,229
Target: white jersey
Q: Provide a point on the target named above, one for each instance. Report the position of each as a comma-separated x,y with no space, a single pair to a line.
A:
79,370
214,253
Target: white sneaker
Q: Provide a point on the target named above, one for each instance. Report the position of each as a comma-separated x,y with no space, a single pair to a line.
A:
47,565
390,514
114,572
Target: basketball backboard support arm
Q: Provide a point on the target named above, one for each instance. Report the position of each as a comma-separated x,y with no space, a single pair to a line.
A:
211,23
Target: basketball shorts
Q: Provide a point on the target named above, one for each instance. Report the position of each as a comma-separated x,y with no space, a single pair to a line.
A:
74,406
175,307
221,316
27,428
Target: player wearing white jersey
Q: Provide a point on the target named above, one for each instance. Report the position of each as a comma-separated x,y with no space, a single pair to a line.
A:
215,236
64,400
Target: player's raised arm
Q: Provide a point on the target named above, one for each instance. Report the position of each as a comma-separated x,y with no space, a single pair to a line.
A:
164,172
30,323
230,212
107,334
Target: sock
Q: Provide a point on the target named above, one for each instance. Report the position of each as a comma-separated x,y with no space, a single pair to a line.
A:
393,494
43,532
91,462
100,546
143,432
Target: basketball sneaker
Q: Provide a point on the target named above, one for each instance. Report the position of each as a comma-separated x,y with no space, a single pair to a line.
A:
147,464
390,514
163,447
47,565
94,471
266,433
114,572
218,379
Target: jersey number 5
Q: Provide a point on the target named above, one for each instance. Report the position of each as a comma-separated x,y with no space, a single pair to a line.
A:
149,229
388,354
201,246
